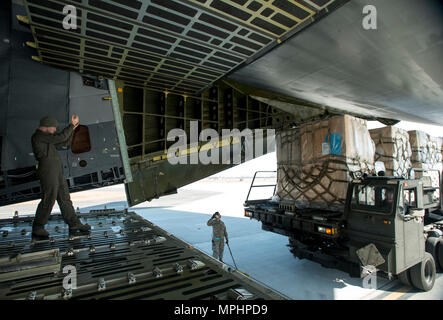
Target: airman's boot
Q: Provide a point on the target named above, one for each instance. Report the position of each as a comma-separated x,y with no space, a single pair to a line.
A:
40,232
78,226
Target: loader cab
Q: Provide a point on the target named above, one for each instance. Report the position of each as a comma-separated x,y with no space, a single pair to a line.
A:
374,197
388,213
390,197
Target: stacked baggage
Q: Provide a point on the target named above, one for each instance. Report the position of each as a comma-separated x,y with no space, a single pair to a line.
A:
316,161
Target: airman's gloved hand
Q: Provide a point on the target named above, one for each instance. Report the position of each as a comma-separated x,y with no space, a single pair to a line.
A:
227,242
75,120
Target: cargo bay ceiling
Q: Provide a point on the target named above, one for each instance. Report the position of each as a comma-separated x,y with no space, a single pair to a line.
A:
177,46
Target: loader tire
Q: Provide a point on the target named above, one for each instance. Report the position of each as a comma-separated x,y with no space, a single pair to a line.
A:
405,277
440,254
423,273
432,246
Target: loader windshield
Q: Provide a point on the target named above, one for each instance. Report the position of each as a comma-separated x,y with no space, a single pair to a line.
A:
374,198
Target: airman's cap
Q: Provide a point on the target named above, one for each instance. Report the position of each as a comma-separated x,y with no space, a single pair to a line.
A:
48,122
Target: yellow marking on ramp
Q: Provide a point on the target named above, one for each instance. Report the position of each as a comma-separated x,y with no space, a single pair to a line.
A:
395,295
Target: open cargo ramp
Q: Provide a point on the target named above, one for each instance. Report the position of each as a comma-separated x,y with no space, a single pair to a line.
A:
124,257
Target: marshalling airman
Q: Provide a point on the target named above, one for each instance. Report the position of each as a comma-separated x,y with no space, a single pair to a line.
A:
218,235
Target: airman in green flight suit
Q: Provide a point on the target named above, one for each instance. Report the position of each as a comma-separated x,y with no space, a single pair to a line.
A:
218,235
45,140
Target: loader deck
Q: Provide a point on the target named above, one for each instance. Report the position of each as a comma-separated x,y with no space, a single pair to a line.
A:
124,257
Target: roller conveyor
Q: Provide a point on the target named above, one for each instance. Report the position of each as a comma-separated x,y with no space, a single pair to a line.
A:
123,257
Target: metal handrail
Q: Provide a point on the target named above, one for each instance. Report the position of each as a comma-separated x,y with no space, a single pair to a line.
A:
268,185
439,180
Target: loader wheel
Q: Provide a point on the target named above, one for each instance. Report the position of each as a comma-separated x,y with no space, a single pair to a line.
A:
432,246
405,277
436,233
440,255
423,274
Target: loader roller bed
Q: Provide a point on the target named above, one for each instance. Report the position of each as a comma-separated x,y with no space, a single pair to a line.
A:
123,257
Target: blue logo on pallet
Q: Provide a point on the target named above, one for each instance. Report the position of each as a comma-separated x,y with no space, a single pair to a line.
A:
334,145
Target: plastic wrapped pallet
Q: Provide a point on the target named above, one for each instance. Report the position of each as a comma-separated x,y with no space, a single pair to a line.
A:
425,148
426,154
323,157
440,143
392,147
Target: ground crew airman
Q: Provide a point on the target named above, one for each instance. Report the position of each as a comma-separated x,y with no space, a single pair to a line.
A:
50,173
218,235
